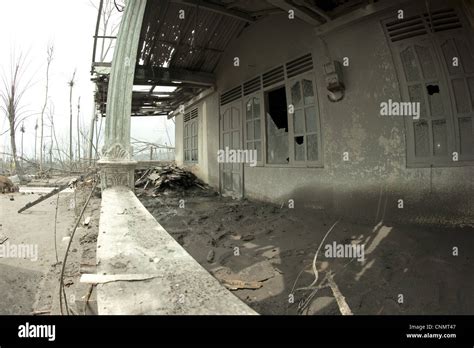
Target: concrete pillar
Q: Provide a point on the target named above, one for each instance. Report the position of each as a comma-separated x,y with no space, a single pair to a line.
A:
117,166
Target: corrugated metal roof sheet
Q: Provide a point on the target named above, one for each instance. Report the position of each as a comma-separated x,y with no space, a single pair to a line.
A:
194,43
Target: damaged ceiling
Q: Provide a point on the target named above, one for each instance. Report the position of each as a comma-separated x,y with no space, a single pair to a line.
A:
182,41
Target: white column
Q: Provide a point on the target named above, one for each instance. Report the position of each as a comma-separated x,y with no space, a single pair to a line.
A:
117,166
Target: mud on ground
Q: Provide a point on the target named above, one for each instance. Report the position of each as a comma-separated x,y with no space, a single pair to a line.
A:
265,253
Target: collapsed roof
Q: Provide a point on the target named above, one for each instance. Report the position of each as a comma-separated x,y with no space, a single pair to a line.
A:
182,41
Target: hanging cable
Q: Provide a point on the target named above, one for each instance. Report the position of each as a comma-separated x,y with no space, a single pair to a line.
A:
119,8
62,291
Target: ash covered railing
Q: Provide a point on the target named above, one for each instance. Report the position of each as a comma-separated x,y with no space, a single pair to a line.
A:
143,270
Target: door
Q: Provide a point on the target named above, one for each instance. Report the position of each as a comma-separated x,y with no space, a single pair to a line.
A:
456,50
231,173
429,138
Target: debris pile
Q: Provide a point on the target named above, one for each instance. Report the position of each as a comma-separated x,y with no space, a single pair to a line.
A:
167,177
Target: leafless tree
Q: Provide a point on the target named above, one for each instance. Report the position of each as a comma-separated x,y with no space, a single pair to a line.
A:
11,94
22,130
36,137
78,129
53,132
71,86
109,24
49,59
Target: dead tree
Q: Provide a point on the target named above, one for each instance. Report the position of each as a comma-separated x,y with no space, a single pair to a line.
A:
71,86
22,130
36,137
78,130
11,95
53,131
49,59
109,24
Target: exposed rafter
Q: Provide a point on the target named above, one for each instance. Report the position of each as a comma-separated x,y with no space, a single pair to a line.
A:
301,12
160,76
214,7
312,7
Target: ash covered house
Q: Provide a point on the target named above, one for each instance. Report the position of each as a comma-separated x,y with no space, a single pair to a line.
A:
361,108
303,83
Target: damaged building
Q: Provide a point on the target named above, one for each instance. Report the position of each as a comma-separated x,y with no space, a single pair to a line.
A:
362,110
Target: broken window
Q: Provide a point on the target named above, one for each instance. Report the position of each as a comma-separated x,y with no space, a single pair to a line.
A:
253,130
305,120
191,136
277,126
438,73
461,76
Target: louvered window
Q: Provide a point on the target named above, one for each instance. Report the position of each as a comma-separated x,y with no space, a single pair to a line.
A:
273,76
299,66
231,95
413,26
252,86
435,58
191,136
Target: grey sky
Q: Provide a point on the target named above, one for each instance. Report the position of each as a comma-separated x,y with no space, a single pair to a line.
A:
28,26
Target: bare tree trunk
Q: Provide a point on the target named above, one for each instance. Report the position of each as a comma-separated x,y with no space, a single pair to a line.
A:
22,136
51,153
36,139
18,168
71,153
91,135
10,104
78,130
49,58
98,131
53,133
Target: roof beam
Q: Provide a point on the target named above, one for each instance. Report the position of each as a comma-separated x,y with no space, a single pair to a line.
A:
313,8
301,12
213,7
160,76
358,14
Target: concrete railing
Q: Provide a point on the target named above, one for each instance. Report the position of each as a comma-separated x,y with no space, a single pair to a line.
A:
143,270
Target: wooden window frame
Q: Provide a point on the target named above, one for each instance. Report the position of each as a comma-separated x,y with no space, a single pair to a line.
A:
188,126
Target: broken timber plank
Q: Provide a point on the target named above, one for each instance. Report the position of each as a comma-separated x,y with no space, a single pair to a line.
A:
3,239
240,284
108,278
55,191
340,299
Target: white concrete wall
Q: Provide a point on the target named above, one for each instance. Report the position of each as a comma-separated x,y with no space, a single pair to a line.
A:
179,133
207,168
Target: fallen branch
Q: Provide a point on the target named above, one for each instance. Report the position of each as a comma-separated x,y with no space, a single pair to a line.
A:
88,297
46,311
236,284
109,278
56,191
340,299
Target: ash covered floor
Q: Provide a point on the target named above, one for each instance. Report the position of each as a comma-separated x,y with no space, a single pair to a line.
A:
30,286
264,254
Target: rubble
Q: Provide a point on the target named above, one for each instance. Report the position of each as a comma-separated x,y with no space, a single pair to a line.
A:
6,185
168,177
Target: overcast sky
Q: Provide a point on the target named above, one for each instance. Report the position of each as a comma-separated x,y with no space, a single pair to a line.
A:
28,27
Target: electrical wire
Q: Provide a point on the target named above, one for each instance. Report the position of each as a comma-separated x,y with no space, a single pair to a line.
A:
119,8
315,270
62,291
